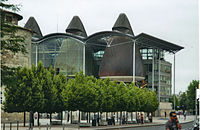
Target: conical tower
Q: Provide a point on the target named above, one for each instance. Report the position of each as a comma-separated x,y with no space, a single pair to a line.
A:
33,26
76,27
123,25
117,61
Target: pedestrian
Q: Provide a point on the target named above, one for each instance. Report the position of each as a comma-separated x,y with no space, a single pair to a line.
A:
123,119
142,119
173,123
36,116
138,118
150,117
165,114
185,116
179,113
113,119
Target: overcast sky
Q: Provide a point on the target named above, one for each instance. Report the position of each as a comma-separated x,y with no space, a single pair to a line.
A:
175,21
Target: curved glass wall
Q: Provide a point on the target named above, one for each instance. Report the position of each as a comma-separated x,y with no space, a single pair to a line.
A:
65,54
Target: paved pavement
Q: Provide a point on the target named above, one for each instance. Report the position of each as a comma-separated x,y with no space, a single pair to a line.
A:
158,122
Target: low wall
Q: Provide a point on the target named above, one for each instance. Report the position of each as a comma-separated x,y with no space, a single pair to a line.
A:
7,117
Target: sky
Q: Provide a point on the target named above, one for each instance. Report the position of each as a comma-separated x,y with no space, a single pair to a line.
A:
176,21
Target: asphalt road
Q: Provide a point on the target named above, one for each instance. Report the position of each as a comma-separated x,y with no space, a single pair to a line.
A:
185,126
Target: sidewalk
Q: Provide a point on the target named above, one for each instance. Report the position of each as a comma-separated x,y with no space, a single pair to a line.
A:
156,121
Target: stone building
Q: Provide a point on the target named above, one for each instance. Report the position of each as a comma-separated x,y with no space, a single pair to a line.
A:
15,60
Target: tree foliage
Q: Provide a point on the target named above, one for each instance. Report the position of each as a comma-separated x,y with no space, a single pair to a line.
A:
11,43
177,103
187,99
35,89
40,90
89,94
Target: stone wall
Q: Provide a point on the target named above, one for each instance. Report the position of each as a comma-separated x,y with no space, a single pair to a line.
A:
20,59
164,107
7,117
17,60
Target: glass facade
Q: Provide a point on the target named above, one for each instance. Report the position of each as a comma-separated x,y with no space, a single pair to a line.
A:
147,53
64,54
165,73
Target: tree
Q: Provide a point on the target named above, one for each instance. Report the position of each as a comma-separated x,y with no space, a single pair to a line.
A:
191,94
11,43
183,100
177,103
60,85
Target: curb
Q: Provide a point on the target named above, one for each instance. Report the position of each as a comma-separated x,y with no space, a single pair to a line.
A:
124,127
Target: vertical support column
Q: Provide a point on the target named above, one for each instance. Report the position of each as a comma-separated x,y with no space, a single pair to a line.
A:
84,59
134,61
174,83
153,69
36,54
159,82
196,102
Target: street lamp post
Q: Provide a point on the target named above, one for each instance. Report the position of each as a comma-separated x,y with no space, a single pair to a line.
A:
84,59
174,83
159,82
134,61
153,69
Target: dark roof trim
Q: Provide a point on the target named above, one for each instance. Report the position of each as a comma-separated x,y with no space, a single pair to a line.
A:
19,17
59,35
157,43
108,33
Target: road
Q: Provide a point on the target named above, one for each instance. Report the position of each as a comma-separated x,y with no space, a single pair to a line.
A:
185,126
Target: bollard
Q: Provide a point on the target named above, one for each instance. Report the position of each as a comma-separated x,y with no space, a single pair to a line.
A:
17,125
63,127
47,126
10,125
4,126
31,126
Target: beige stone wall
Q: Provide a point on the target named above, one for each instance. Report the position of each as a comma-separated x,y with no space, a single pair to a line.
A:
16,61
20,59
164,107
6,117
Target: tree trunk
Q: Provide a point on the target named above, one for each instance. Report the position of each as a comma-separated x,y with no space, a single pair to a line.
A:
32,116
131,116
61,116
126,116
38,119
117,116
24,119
67,116
120,117
71,117
106,116
79,116
136,115
50,118
89,117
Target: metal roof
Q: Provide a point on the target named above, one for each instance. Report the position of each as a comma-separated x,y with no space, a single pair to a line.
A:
52,35
122,24
147,40
33,26
76,27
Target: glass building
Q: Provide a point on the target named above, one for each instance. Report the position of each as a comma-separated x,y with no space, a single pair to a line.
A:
117,54
165,72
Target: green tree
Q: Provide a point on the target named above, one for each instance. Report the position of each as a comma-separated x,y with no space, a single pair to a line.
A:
177,103
60,85
191,92
11,43
183,100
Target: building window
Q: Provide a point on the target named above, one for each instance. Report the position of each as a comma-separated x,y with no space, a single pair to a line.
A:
8,19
